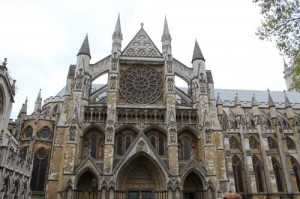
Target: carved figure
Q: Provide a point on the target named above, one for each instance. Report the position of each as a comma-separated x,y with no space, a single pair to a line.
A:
113,80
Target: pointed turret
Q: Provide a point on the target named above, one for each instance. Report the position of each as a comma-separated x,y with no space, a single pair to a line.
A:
272,108
117,37
198,61
166,38
287,101
85,47
270,100
23,108
254,103
219,105
38,103
237,100
288,106
197,53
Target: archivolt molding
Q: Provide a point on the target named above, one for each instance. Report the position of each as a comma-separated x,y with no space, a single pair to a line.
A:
141,146
87,165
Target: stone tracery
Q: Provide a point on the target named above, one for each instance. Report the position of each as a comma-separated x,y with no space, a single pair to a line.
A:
141,85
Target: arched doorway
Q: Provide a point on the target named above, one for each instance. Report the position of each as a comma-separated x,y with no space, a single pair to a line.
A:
141,179
87,186
193,187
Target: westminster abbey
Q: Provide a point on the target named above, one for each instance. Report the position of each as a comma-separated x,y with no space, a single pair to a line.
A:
141,137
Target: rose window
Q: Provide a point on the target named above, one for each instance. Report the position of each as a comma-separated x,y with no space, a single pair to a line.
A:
141,85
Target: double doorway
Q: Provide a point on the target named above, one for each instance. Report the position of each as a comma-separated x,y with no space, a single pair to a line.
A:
144,194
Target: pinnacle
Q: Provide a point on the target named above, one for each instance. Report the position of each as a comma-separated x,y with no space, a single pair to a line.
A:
219,100
287,101
237,100
85,47
254,101
197,52
270,100
118,25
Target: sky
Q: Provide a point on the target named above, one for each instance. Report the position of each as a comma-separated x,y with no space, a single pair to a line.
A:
42,38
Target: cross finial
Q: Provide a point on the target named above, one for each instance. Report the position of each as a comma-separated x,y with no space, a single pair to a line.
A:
142,25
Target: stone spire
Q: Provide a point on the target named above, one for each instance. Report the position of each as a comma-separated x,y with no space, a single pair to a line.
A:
117,37
23,108
237,100
85,47
288,106
270,100
273,113
38,102
166,38
287,101
219,104
197,53
219,100
254,101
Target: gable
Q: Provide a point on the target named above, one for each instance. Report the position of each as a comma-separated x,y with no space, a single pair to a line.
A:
141,46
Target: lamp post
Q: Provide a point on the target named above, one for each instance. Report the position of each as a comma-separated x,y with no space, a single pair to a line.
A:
94,186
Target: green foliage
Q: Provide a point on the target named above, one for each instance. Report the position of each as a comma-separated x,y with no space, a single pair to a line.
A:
281,23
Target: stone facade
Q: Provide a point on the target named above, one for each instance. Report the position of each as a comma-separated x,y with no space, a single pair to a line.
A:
140,136
15,164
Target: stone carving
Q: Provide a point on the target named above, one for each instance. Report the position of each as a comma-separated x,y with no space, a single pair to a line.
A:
208,133
169,63
141,46
72,132
114,61
141,85
141,145
109,133
202,82
79,79
173,134
75,116
170,84
173,184
113,82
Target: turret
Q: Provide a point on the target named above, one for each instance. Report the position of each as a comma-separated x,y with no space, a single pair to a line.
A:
254,104
198,61
38,103
272,108
83,56
288,107
219,104
166,40
117,38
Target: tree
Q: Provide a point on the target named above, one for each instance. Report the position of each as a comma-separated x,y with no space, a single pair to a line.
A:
281,23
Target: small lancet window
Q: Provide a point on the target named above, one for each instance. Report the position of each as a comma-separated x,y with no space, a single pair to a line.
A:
272,143
186,149
238,174
161,150
277,172
258,172
290,143
234,143
253,143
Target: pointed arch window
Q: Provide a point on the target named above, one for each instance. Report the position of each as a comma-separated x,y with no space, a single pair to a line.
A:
296,170
1,102
253,143
238,174
278,175
161,150
153,141
269,124
234,143
290,143
272,143
285,124
258,169
186,149
16,190
39,170
128,142
120,145
93,147
6,187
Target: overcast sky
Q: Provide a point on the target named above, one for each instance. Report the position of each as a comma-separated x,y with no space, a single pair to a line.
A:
42,39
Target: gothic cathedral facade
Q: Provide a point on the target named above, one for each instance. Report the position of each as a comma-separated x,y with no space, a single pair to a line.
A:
141,137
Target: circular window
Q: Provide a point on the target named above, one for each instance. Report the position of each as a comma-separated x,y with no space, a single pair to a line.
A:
28,133
44,134
141,85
